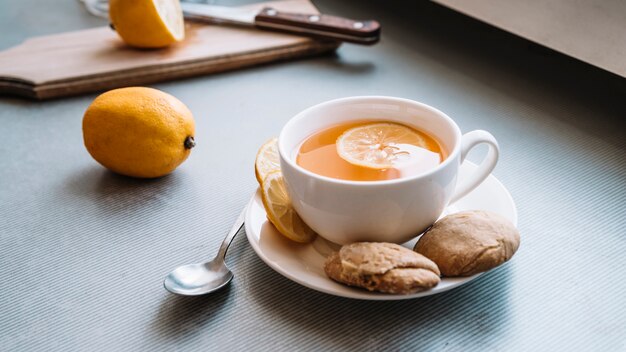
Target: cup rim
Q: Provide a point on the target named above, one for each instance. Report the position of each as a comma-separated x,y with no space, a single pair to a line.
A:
302,115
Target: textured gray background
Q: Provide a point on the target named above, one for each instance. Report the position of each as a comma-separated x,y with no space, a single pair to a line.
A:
83,251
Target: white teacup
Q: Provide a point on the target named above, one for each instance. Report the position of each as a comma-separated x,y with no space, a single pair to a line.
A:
385,211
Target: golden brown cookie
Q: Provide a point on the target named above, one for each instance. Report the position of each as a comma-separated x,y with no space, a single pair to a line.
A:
469,242
383,267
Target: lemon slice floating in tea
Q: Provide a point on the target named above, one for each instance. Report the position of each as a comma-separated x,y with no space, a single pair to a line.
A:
148,23
378,145
280,212
267,160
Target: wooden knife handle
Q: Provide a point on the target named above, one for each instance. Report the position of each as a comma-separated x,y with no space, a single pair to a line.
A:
320,26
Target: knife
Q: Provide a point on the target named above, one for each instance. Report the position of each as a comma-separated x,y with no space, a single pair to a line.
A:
310,25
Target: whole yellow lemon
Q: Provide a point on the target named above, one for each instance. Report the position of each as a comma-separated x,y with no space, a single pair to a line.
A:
138,131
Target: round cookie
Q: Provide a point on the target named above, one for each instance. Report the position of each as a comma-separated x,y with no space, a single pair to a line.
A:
469,242
383,267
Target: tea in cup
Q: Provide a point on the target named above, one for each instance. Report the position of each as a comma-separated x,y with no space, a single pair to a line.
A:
369,151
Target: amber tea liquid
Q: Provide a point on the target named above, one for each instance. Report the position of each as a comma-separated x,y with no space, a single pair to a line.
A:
318,154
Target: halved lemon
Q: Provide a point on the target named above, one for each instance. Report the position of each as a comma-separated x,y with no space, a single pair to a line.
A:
148,23
377,145
280,212
267,160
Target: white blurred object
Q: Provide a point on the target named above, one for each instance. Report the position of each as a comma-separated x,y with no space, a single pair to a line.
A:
99,8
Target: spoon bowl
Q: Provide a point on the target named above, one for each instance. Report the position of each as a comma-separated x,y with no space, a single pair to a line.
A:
198,279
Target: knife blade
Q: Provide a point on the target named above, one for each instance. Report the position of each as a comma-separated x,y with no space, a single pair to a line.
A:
319,26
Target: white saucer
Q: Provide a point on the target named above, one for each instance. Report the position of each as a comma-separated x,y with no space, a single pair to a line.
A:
303,263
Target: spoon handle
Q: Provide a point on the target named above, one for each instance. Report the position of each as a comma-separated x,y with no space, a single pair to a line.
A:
231,234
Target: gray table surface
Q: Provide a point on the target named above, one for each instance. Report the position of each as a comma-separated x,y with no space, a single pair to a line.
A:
83,251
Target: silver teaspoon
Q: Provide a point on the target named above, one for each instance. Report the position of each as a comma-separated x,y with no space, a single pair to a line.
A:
201,278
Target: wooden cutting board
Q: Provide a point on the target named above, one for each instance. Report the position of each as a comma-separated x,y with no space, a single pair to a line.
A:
96,59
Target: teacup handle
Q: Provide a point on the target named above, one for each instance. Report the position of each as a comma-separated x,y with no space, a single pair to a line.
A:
469,141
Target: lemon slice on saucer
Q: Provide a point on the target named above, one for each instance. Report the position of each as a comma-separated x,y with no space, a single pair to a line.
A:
377,145
148,23
280,212
267,160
